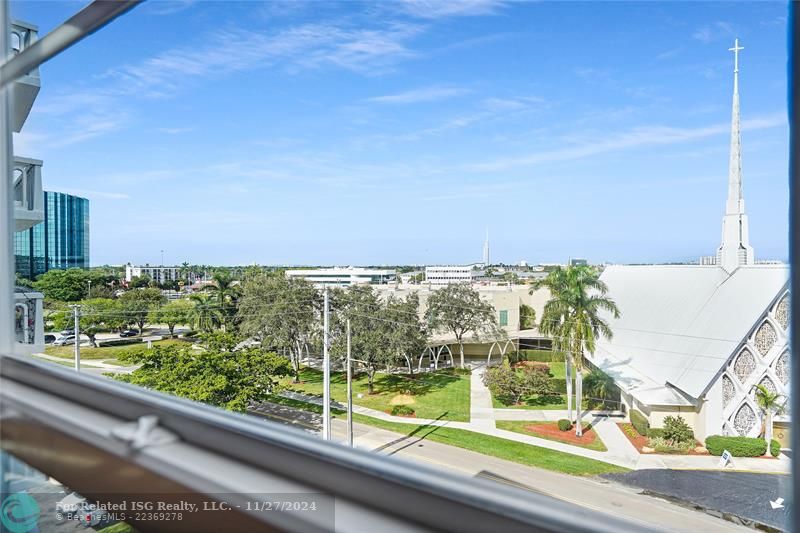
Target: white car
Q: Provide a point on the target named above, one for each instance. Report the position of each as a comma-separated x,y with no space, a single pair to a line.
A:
64,340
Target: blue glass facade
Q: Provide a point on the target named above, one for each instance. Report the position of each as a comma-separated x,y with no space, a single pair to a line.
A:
60,242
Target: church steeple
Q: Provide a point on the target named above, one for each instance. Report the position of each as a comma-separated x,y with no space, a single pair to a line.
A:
735,249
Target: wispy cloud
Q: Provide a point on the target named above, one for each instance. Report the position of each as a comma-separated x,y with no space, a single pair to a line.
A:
425,94
713,32
432,9
175,131
168,7
637,137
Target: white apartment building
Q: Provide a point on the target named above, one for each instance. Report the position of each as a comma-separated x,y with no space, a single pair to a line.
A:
444,275
159,274
343,276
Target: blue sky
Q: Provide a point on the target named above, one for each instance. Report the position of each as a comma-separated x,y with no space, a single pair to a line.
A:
396,133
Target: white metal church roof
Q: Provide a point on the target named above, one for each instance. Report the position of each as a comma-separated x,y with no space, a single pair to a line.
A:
679,324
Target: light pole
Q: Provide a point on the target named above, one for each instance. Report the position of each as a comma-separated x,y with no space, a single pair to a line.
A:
89,292
76,311
326,363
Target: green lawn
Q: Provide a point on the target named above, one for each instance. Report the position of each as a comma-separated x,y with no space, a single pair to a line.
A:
62,363
518,426
104,352
443,394
509,450
558,369
536,401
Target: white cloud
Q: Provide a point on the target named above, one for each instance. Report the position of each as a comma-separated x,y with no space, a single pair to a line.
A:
432,9
426,94
637,137
713,32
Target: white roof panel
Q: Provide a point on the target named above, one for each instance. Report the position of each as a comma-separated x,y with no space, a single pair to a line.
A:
679,324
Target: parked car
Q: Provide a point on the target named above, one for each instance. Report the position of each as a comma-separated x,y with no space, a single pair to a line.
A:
66,332
129,333
64,340
49,338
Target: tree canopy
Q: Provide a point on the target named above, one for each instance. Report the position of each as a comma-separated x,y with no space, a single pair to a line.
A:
281,312
173,313
70,285
137,304
459,309
220,376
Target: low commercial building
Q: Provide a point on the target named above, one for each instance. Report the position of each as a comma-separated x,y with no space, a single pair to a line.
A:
447,274
343,276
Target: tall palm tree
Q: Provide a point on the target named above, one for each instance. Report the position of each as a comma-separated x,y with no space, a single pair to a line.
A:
572,318
224,294
205,315
769,402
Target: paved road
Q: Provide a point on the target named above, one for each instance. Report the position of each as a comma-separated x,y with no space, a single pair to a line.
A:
742,495
594,493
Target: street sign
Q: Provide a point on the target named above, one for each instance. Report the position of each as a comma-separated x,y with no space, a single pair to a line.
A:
725,460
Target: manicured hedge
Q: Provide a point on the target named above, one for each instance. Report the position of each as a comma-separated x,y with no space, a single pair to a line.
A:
541,356
401,410
655,433
120,342
639,421
775,448
738,446
564,424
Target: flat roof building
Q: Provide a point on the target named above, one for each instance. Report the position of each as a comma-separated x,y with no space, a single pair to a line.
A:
343,276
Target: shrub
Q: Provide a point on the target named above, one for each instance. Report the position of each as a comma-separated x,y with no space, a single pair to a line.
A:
120,342
775,448
564,424
655,433
662,445
677,430
402,410
738,446
639,421
511,385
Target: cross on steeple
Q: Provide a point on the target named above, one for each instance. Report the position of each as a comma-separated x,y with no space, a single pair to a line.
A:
735,51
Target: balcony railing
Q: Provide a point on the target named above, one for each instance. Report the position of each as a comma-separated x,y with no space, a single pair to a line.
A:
28,194
25,89
113,442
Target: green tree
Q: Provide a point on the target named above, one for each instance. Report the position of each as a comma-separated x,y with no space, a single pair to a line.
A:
137,304
205,315
225,294
599,385
96,315
407,335
770,403
527,317
459,309
233,379
63,285
571,317
173,313
139,282
370,329
282,312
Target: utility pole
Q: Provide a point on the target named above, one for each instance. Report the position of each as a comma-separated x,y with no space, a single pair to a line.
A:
326,363
76,311
349,390
89,294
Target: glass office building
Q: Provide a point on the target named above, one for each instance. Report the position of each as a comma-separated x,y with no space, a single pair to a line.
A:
60,242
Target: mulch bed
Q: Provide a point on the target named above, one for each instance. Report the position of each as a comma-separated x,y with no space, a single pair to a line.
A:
550,429
412,415
532,364
639,441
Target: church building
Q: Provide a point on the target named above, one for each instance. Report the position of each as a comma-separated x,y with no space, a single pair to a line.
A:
695,340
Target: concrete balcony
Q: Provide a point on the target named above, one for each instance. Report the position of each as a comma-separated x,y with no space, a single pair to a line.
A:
28,194
25,89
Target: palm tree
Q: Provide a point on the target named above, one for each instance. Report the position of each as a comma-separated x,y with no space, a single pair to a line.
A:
224,294
599,385
572,318
205,316
769,402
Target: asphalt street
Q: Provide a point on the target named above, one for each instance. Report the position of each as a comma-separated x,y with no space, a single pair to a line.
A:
742,495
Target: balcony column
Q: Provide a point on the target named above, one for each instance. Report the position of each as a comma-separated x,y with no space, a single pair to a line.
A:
6,200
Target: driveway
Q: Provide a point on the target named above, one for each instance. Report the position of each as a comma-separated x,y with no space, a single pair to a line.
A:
737,496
